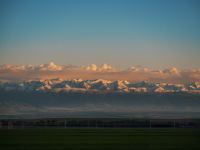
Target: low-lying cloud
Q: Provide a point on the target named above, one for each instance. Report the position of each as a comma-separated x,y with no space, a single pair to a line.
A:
105,71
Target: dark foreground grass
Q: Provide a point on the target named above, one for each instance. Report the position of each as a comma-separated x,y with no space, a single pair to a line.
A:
99,139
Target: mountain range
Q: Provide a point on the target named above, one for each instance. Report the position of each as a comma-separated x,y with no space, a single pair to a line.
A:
50,90
98,85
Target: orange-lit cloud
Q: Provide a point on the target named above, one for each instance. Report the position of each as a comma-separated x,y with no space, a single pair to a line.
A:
105,71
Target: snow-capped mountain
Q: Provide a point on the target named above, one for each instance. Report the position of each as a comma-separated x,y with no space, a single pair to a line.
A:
98,85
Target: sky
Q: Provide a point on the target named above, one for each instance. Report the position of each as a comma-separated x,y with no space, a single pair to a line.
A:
156,34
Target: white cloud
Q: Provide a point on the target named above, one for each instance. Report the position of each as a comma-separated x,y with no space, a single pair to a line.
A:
101,68
104,71
172,70
105,67
91,67
49,67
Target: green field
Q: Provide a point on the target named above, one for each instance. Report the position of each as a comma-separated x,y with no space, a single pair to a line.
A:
101,139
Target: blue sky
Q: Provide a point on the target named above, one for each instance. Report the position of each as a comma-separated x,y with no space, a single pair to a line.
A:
152,33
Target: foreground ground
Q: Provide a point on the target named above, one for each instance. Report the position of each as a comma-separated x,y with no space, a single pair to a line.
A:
99,138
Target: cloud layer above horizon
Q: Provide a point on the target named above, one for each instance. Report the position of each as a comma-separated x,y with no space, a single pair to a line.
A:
158,34
104,71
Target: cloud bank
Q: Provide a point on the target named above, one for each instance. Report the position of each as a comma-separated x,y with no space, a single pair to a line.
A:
90,72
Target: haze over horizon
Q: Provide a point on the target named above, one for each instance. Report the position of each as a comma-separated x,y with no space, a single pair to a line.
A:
155,34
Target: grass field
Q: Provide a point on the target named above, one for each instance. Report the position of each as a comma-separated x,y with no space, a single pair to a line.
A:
99,139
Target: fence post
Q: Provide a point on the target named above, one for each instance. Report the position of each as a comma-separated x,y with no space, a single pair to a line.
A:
149,123
65,123
174,123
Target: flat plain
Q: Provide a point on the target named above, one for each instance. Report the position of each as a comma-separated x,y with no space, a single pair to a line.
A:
100,138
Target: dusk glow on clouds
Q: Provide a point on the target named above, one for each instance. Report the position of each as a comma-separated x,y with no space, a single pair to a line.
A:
131,40
157,34
104,71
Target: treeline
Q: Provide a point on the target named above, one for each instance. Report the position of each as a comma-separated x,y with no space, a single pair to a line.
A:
99,123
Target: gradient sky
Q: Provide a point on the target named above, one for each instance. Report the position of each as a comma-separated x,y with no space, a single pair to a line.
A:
152,33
